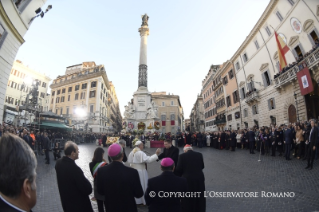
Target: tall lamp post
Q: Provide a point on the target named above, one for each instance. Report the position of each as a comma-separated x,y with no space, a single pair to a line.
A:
295,95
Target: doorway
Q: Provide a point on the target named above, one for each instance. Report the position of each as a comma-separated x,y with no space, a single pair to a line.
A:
292,114
312,101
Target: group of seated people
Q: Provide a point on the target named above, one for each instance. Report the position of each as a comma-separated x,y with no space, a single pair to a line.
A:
298,60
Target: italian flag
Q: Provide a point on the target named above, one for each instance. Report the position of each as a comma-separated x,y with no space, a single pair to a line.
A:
282,50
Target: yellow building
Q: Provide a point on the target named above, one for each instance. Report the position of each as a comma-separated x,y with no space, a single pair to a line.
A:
170,111
85,95
18,86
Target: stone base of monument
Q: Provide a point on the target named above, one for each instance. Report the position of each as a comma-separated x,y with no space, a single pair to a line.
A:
157,144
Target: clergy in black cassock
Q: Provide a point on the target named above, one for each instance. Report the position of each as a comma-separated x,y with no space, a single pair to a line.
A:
190,166
119,184
170,151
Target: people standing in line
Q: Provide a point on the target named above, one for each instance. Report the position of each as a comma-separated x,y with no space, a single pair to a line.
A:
190,166
222,140
233,140
165,182
288,140
273,142
227,140
279,140
204,140
138,160
118,183
73,186
46,148
199,140
251,139
268,137
97,162
18,189
246,145
312,144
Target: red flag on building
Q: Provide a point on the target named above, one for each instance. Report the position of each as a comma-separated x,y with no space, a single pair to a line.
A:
163,123
282,50
304,80
172,122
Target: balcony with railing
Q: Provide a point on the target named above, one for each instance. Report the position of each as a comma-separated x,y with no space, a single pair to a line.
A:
290,75
221,119
252,97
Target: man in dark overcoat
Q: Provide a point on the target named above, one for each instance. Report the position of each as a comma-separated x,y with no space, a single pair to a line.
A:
190,166
73,186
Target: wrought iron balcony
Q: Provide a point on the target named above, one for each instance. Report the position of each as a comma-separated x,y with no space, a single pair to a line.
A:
220,120
290,75
287,77
252,97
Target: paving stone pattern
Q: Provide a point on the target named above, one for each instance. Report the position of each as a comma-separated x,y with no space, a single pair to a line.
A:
225,171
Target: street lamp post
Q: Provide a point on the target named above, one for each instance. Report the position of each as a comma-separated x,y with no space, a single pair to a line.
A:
295,95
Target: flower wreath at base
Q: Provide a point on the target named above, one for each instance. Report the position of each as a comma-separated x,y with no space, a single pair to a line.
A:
157,125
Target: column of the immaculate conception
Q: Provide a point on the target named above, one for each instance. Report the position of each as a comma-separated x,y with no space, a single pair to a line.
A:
144,32
142,109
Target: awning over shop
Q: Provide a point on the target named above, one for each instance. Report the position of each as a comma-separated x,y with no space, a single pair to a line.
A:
53,125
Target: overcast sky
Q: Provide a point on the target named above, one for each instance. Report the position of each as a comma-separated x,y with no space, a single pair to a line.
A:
186,37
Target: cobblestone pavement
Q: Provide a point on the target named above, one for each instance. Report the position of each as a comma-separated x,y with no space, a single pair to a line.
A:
225,171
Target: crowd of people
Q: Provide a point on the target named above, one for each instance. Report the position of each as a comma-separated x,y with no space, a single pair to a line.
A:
119,187
300,140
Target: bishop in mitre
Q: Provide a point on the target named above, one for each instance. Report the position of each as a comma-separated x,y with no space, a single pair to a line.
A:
138,160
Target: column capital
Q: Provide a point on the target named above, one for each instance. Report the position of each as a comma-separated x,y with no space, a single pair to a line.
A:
144,31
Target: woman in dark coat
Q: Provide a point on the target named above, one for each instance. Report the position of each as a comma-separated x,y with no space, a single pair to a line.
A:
97,162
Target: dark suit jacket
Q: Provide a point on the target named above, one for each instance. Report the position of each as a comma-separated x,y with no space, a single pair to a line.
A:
119,185
172,152
251,136
313,137
7,208
27,139
288,136
142,137
46,143
166,182
74,188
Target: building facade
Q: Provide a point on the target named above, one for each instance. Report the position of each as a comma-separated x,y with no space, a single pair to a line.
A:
114,112
197,116
18,86
266,96
15,20
170,111
232,111
85,95
208,98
